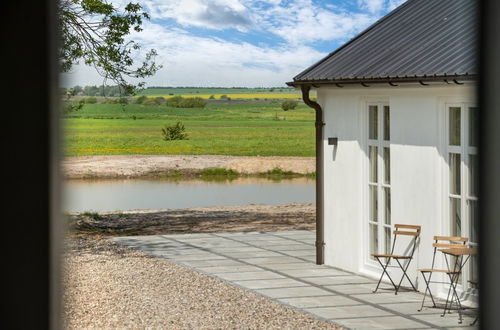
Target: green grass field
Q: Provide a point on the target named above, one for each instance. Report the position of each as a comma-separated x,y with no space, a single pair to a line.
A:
219,129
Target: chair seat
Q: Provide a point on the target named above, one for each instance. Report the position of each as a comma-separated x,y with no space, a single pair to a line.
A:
430,270
394,256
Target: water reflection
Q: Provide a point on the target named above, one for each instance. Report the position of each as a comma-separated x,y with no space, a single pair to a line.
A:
122,195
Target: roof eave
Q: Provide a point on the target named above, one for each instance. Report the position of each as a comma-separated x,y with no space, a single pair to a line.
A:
386,80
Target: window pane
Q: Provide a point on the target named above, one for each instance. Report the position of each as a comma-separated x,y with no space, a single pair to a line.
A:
373,239
473,127
373,122
387,199
373,204
455,217
373,151
473,179
473,221
387,240
387,123
454,174
387,165
455,126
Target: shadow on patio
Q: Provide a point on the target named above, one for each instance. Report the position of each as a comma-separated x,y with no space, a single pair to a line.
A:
280,266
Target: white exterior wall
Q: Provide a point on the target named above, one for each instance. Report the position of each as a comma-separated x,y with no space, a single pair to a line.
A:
418,169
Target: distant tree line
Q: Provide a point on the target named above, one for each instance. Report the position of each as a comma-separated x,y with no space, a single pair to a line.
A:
109,91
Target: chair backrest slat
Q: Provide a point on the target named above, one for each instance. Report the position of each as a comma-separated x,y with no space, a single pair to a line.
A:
451,246
408,226
451,238
448,242
410,233
406,230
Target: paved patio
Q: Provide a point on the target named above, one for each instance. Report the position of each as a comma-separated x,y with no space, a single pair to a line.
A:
280,266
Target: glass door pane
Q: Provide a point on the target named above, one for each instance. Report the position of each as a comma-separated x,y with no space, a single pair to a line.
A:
387,123
373,122
455,216
373,155
373,238
454,125
455,178
472,127
387,165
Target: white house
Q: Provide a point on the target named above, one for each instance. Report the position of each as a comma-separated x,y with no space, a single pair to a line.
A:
396,136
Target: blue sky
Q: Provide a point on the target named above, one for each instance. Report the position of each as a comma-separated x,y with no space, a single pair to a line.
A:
249,43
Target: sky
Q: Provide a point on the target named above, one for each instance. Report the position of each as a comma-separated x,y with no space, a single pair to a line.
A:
241,43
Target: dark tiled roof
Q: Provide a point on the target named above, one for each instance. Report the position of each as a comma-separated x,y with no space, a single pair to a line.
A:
419,39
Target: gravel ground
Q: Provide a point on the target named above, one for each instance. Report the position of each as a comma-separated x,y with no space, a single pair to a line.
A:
132,166
110,286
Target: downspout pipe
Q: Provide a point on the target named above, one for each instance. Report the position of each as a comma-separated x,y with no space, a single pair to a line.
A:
320,235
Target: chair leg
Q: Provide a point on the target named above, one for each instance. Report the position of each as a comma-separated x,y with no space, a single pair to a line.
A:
384,271
404,269
446,303
427,288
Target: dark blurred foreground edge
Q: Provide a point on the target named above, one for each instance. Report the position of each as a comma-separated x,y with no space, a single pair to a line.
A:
489,94
29,149
30,152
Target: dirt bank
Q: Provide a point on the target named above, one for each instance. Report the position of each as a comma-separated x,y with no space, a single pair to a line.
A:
134,166
256,217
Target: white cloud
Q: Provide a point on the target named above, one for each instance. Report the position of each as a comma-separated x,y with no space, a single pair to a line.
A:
201,61
394,4
301,21
195,60
373,6
213,14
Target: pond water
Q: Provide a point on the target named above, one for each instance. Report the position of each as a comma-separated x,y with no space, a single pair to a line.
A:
123,195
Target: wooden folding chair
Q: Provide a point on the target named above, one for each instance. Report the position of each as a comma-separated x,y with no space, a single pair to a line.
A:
442,242
400,230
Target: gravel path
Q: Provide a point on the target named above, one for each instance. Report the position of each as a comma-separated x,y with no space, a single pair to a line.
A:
131,166
110,286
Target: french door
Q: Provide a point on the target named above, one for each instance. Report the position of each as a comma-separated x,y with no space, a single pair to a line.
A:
379,178
463,176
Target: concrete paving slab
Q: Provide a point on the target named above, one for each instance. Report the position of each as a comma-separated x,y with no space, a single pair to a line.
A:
281,266
300,253
260,275
292,265
410,308
229,269
306,291
294,233
340,279
270,260
289,247
389,297
210,263
381,322
269,284
216,244
233,249
208,256
324,271
449,320
322,301
352,289
188,236
254,254
345,312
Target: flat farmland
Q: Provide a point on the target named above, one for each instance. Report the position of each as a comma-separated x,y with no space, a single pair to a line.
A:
239,129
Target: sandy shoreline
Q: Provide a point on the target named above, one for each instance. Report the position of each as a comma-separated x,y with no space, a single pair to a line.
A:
136,166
